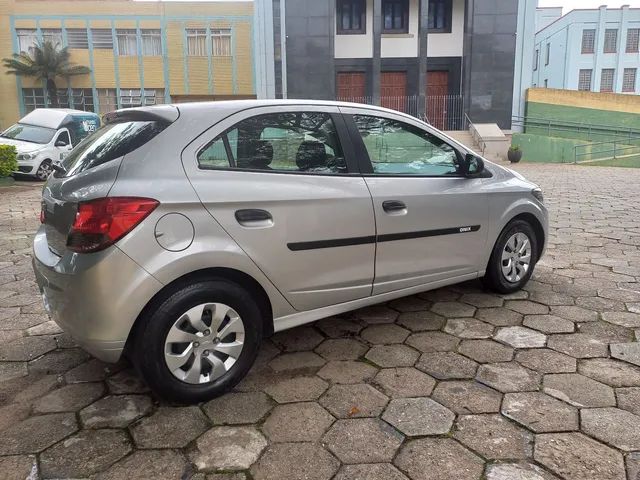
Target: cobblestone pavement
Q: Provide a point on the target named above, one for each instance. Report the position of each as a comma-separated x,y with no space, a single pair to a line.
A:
452,384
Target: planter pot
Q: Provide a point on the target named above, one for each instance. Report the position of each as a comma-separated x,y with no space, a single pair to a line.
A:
514,155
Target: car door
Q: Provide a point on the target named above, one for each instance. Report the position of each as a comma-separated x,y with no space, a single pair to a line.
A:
283,182
62,145
431,221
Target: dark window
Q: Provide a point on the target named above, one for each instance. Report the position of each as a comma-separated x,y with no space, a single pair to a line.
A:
633,40
440,12
584,80
351,16
606,79
63,137
588,41
399,148
302,142
629,80
110,142
548,54
611,40
395,16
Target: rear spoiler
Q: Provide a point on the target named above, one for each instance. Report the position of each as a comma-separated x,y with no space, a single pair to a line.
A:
160,113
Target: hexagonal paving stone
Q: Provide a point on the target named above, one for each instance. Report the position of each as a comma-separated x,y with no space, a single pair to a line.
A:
404,382
170,427
433,342
297,339
578,390
295,461
633,466
508,377
613,426
578,345
624,319
11,370
115,411
297,422
544,360
540,412
353,401
341,349
464,397
384,334
493,436
410,304
389,356
372,471
575,314
482,300
92,371
526,307
297,362
606,332
521,337
238,408
362,440
126,381
486,351
629,399
421,321
447,365
575,456
69,398
347,372
58,361
438,459
297,389
517,471
36,433
612,372
468,328
629,352
499,317
376,314
84,454
19,467
147,464
334,327
549,324
453,309
228,448
26,348
418,416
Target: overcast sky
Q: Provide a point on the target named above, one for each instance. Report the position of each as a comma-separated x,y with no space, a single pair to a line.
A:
569,5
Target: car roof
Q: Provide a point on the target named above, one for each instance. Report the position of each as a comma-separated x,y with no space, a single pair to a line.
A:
52,117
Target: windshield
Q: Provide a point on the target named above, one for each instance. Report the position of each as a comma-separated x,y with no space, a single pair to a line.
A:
110,142
29,133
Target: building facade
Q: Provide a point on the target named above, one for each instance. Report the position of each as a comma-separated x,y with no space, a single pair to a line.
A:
437,58
590,50
139,53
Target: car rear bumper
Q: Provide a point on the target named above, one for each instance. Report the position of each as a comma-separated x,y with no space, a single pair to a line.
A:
95,298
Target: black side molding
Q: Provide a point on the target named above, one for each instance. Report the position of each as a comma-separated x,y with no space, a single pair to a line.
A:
390,237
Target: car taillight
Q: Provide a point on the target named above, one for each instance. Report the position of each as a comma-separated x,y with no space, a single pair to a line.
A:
102,222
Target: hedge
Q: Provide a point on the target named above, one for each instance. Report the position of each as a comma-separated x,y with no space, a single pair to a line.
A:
8,161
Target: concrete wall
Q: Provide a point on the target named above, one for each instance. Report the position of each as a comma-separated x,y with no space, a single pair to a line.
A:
449,44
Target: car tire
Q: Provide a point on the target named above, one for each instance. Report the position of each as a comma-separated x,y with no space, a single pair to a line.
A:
153,349
507,275
44,170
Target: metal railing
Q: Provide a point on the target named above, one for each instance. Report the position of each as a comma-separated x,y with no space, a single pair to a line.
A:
578,130
601,151
445,112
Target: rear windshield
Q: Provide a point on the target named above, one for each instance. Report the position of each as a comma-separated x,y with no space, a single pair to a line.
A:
29,133
110,142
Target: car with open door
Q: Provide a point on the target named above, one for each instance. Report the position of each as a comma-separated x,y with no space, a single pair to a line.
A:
181,235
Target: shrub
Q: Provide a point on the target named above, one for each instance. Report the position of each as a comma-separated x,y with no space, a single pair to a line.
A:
8,161
514,148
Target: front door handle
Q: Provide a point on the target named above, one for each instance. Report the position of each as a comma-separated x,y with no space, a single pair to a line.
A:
254,218
394,207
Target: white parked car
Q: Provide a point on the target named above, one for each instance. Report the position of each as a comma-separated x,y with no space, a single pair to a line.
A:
45,137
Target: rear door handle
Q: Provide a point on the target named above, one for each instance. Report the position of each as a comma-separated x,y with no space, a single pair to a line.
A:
394,207
254,218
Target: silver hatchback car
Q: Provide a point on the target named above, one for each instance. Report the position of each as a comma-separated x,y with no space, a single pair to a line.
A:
181,235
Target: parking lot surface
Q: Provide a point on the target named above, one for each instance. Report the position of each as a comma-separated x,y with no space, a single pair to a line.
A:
456,383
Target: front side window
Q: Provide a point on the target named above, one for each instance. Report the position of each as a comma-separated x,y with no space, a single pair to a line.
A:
64,138
127,42
629,80
584,80
440,12
27,39
301,142
395,16
633,40
588,40
221,42
606,79
611,40
151,43
351,17
196,42
402,149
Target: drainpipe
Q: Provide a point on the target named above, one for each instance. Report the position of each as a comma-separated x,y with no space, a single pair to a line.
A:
377,47
283,46
423,35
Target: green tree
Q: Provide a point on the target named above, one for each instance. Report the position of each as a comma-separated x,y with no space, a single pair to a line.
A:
45,61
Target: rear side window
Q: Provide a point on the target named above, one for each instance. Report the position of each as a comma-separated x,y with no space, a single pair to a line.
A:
303,142
110,142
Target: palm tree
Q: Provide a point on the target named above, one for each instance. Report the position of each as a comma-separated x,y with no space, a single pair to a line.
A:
45,61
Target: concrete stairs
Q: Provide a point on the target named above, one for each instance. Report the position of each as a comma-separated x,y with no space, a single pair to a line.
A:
465,138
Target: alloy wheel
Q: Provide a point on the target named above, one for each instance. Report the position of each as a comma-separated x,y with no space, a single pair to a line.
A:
516,257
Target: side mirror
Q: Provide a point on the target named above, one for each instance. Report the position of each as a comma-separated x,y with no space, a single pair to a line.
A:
61,143
472,166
